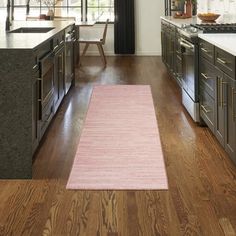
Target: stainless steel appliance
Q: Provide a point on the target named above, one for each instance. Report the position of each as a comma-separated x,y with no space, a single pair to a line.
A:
189,47
69,57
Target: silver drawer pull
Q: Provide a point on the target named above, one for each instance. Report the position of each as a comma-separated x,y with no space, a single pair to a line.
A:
221,61
204,109
55,48
204,50
205,76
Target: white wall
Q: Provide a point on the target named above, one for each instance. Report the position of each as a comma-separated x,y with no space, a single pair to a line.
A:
147,29
224,7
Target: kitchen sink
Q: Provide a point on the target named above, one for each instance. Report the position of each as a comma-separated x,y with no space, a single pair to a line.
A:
32,30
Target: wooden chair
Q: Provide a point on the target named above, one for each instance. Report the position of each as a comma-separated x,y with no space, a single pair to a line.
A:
98,41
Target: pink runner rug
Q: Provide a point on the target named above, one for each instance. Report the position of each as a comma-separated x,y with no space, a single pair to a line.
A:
119,146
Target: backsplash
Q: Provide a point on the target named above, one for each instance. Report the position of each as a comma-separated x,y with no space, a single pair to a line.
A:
227,8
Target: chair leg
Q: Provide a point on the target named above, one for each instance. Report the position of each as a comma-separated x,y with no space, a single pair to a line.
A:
84,51
101,51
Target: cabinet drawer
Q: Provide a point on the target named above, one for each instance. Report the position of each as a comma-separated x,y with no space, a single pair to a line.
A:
206,50
58,40
207,77
164,24
225,61
42,50
207,109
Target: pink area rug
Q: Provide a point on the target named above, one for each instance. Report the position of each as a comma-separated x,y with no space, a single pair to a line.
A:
119,146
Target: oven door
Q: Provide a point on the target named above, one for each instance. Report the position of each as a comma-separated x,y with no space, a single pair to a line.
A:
188,63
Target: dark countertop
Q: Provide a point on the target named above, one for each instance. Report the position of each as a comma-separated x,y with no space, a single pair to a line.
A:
29,40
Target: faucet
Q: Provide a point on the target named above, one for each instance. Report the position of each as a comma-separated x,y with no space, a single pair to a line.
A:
10,14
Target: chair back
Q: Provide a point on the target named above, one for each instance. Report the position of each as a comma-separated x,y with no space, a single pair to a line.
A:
105,32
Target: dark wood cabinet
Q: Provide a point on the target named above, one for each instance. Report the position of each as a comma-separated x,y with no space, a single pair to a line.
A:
230,116
70,39
206,50
164,33
59,74
225,117
225,62
207,108
171,50
220,108
218,95
35,109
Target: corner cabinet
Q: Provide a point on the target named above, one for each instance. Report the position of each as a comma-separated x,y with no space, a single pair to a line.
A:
218,94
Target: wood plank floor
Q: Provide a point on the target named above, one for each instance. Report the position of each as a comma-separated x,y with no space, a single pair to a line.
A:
202,179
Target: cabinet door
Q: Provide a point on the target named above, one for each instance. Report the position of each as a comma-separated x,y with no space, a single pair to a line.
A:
220,107
230,123
69,65
164,28
58,77
207,109
35,106
163,47
168,50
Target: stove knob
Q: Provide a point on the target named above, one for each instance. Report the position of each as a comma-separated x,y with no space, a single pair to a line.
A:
183,26
194,30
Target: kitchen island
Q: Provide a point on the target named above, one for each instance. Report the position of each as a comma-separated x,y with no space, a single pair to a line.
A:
36,72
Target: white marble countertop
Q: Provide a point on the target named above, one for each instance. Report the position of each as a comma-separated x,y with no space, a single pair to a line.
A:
226,42
180,22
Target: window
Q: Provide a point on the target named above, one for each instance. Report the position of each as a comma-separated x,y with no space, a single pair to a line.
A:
99,10
61,8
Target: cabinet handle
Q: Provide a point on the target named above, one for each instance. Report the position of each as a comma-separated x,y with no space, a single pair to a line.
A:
41,89
221,61
219,91
204,50
222,87
204,109
205,76
179,57
35,67
55,48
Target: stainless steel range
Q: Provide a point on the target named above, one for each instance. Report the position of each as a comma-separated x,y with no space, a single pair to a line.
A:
190,60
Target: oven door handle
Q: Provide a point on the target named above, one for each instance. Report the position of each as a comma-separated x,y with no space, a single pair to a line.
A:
186,45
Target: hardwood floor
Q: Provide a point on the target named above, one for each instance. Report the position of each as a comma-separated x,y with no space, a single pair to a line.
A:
201,199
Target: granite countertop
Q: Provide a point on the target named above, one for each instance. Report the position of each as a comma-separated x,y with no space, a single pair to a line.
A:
223,41
180,22
29,40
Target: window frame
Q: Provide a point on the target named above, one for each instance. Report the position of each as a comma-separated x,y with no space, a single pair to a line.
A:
83,8
86,14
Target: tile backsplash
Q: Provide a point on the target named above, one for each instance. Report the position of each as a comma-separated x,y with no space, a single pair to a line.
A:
227,9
